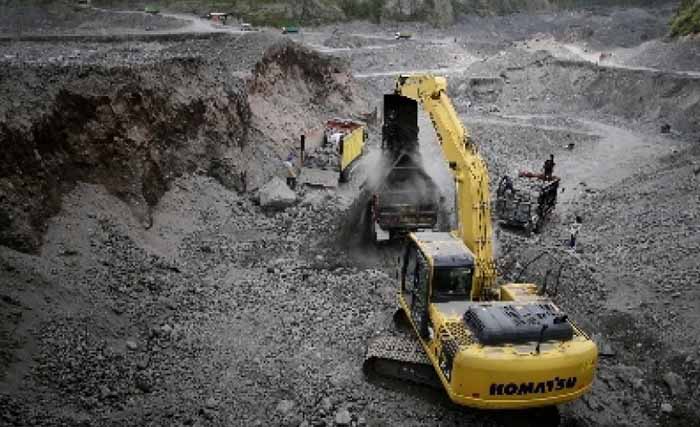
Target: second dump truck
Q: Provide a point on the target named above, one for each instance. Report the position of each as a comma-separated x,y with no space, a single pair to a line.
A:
348,138
527,201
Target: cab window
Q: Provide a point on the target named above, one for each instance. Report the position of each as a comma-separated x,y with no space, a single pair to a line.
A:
452,283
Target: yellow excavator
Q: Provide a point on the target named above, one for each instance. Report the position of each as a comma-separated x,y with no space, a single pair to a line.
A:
488,346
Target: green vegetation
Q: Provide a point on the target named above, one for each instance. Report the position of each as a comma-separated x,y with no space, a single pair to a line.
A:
687,20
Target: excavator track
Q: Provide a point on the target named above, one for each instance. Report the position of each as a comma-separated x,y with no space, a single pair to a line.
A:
399,357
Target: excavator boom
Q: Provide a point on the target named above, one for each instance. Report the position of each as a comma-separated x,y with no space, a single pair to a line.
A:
469,170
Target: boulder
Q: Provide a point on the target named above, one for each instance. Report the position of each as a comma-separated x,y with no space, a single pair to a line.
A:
276,195
342,417
675,384
285,407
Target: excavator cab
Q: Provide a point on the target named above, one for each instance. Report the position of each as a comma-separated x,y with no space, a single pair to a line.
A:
436,268
444,261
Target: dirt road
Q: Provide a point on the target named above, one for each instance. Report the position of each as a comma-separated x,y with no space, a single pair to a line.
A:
192,24
610,58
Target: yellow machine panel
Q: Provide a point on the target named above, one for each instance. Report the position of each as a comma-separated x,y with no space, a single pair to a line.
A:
352,147
349,137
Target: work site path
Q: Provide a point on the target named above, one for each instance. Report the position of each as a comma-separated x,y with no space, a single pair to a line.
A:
610,58
594,57
440,71
618,154
325,49
195,23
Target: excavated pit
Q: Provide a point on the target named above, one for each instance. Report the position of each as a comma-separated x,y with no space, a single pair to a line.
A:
121,179
120,127
133,129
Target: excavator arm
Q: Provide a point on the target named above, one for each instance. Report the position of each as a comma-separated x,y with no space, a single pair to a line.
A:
469,171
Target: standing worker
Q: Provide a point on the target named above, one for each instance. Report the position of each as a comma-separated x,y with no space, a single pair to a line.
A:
291,171
549,168
574,230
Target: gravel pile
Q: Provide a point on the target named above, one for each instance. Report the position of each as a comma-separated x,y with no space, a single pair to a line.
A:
323,157
215,309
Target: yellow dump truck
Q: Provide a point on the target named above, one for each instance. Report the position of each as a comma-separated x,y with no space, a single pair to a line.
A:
348,137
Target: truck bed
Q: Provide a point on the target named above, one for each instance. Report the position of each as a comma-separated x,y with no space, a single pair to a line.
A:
407,198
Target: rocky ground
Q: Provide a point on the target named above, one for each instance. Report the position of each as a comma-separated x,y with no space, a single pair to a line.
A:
63,17
206,308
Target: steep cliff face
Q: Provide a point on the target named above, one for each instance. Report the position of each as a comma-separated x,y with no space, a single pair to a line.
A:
437,12
291,12
445,12
133,129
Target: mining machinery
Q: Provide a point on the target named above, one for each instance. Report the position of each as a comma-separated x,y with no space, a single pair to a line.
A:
489,345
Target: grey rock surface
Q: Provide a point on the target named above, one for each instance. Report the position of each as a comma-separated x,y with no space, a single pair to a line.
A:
277,195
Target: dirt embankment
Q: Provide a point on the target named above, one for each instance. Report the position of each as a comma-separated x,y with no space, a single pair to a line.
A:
547,85
293,91
123,127
288,68
134,129
51,16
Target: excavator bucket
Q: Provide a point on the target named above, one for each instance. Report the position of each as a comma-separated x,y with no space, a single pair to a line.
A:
400,129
